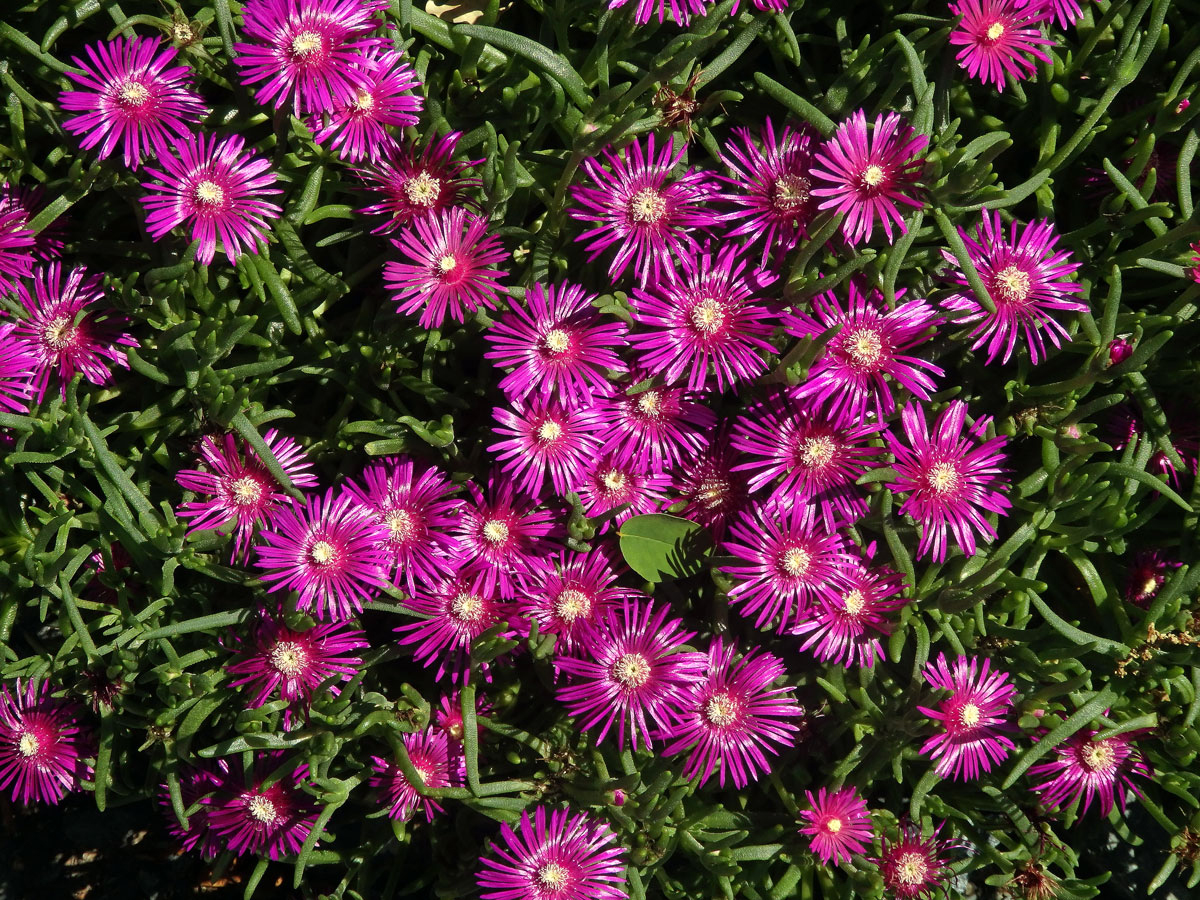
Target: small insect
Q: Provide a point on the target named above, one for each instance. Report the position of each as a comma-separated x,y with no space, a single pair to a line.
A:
679,107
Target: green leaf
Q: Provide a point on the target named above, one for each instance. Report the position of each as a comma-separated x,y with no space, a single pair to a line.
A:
658,545
543,57
1099,702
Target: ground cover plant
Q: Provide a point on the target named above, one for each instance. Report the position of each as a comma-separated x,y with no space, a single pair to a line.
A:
574,452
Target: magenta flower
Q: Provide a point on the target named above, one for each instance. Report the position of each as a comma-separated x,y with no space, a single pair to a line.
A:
219,190
450,720
1146,576
430,754
709,319
733,717
382,98
845,629
558,345
656,427
570,594
456,611
713,492
998,37
28,201
786,563
265,813
545,438
865,176
1086,768
307,51
974,717
131,98
915,866
62,336
16,248
451,272
635,206
502,533
409,503
1066,12
858,368
40,744
615,482
292,664
772,188
950,483
18,368
196,786
838,823
570,857
633,671
240,485
681,10
413,186
328,550
1026,278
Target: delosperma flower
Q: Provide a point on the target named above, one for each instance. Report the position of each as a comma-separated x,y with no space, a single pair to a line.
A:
838,824
267,813
654,426
307,52
456,611
713,491
915,866
437,765
974,717
638,207
951,479
217,188
1086,768
413,185
131,99
383,98
545,438
614,481
40,744
681,10
847,625
450,270
1146,576
733,718
632,672
17,243
865,175
18,368
563,856
1025,276
27,201
1064,12
706,323
196,786
450,721
241,488
999,37
570,594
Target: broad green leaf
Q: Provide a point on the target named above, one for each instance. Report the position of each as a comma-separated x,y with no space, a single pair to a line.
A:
659,545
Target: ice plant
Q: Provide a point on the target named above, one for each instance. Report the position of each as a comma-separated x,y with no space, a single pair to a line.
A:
307,52
544,438
950,481
915,866
633,672
503,533
974,717
712,491
450,269
18,367
196,786
132,98
706,322
438,767
27,202
412,185
1089,768
616,482
570,594
1146,576
216,188
40,744
383,98
637,206
17,243
865,175
838,824
557,345
999,37
456,611
65,332
733,717
267,813
328,550
654,425
563,856
847,626
681,10
1025,276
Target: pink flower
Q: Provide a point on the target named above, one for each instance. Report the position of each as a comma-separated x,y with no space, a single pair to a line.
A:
1086,768
865,176
219,190
132,99
28,202
656,426
16,248
845,629
974,717
681,10
569,595
996,35
1146,576
439,767
616,482
544,438
915,866
18,368
713,492
382,98
40,744
455,612
413,186
196,789
265,813
839,824
1065,12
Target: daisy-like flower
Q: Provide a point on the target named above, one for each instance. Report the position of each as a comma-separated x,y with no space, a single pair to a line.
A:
786,562
430,754
266,813
560,857
40,744
806,455
733,717
328,550
457,611
197,786
706,321
18,367
28,201
409,502
218,189
616,481
1065,13
450,720
633,671
132,99
845,629
276,660
838,824
569,595
308,52
974,717
415,185
545,437
856,371
1026,277
656,426
558,345
1091,769
772,188
451,270
635,205
712,491
915,866
1146,576
383,97
502,533
239,485
998,37
65,333
681,10
865,175
950,483
17,243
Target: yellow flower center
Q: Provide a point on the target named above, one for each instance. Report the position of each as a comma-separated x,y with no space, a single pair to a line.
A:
872,176
262,809
943,478
495,532
614,479
288,657
911,868
865,347
59,333
854,602
833,825
400,524
322,553
553,877
632,670
246,491
446,264
817,452
306,43
721,709
571,605
796,561
708,315
648,206
790,193
467,607
1013,285
133,93
557,341
1098,755
650,403
970,715
423,189
994,31
550,431
28,744
364,101
1149,589
209,193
